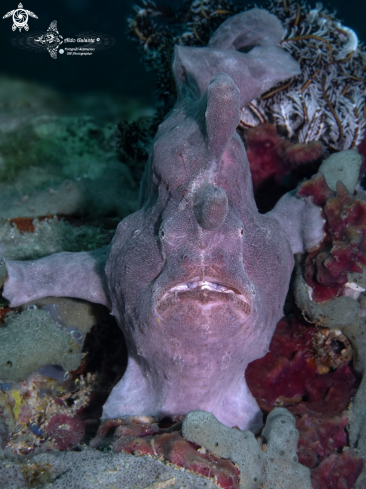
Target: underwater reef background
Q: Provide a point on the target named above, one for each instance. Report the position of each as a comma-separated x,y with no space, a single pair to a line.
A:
68,174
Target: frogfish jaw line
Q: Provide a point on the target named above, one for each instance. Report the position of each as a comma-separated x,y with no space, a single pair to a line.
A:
207,291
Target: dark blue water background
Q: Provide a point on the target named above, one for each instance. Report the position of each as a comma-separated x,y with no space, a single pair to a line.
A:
117,70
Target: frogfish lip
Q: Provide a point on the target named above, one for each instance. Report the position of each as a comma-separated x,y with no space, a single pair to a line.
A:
207,291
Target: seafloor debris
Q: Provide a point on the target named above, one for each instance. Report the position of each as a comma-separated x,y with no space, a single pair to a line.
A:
43,412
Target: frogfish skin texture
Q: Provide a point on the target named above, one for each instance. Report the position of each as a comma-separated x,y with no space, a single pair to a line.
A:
196,278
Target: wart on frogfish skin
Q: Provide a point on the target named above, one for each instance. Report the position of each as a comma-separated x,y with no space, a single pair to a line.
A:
217,305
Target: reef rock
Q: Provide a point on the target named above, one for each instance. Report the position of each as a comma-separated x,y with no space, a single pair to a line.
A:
277,466
334,297
54,162
96,470
33,340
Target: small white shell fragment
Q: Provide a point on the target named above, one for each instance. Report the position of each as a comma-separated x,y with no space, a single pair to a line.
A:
353,290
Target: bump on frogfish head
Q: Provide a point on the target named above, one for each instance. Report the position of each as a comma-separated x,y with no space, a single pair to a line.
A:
210,207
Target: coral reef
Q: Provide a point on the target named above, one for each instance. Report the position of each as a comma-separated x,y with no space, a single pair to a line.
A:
65,431
82,197
314,381
307,370
298,368
45,413
71,314
273,157
343,249
145,436
340,301
337,471
277,466
341,315
29,239
325,103
345,166
55,161
77,145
